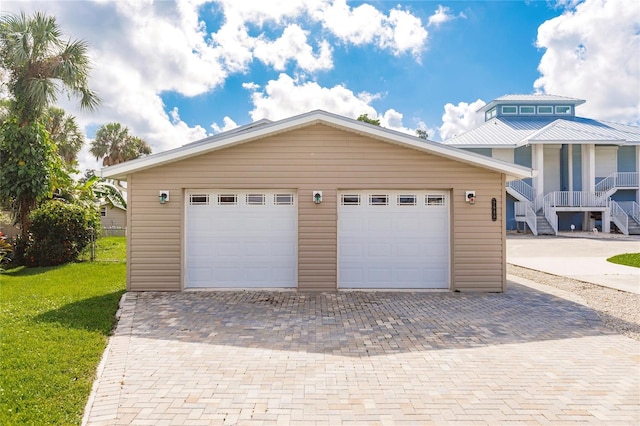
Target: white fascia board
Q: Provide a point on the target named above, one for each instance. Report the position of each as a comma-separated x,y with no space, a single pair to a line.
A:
120,171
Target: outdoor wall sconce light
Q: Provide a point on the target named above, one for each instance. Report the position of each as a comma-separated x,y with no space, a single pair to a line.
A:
164,196
470,197
317,197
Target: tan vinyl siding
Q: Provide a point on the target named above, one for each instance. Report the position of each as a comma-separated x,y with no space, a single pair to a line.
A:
115,218
323,158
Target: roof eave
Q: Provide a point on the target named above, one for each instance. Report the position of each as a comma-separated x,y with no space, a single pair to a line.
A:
121,171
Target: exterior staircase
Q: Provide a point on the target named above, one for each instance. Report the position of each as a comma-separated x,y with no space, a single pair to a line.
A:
540,213
542,225
634,227
632,209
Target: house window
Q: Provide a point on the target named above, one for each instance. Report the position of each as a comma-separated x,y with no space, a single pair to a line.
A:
509,109
283,199
227,199
434,200
406,200
545,109
350,200
528,109
563,109
490,114
199,199
255,199
103,211
378,200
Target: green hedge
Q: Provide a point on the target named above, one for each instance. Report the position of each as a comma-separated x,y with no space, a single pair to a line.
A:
59,232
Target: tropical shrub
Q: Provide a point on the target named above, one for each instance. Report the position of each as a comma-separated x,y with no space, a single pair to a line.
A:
59,232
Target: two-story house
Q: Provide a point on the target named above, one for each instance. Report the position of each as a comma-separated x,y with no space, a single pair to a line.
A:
586,170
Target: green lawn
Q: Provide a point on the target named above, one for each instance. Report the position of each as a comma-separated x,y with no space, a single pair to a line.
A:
629,259
54,324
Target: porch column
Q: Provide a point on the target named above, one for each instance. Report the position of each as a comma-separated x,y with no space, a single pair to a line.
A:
537,163
638,172
589,167
570,166
606,221
588,180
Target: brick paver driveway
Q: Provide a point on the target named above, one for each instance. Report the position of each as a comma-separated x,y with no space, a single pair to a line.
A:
522,357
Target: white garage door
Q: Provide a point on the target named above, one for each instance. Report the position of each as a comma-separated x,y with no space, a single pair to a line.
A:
241,239
393,239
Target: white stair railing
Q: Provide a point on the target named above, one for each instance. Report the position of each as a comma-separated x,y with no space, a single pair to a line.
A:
607,183
618,180
619,217
525,209
522,188
549,213
631,208
635,211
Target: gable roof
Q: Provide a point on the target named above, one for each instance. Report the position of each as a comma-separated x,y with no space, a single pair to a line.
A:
265,129
532,100
505,132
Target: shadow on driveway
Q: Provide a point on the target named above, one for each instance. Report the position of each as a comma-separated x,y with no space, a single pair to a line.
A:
361,323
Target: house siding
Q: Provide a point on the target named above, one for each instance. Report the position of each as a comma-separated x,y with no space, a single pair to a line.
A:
115,218
318,157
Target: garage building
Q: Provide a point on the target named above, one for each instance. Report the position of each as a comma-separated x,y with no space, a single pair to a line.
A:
316,202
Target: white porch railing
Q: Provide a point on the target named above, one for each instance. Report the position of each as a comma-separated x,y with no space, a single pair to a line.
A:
525,209
619,217
618,180
522,187
576,199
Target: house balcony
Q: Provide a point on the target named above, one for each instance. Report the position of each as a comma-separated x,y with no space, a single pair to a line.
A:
540,213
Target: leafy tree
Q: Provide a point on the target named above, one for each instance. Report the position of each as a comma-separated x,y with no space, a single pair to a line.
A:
39,63
422,134
113,144
30,168
365,118
65,133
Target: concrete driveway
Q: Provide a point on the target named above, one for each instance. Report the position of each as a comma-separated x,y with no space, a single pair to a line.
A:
524,356
580,256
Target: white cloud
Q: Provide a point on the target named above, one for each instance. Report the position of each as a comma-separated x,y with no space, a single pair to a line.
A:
227,124
142,49
286,97
460,118
401,32
440,16
292,45
593,53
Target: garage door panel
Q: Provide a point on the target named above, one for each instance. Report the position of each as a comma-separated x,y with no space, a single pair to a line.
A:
379,250
395,245
241,245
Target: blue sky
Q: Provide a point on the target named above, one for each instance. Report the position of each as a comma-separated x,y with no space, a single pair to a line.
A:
177,72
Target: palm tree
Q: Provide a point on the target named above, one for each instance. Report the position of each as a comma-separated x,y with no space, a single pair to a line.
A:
40,63
65,133
113,144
